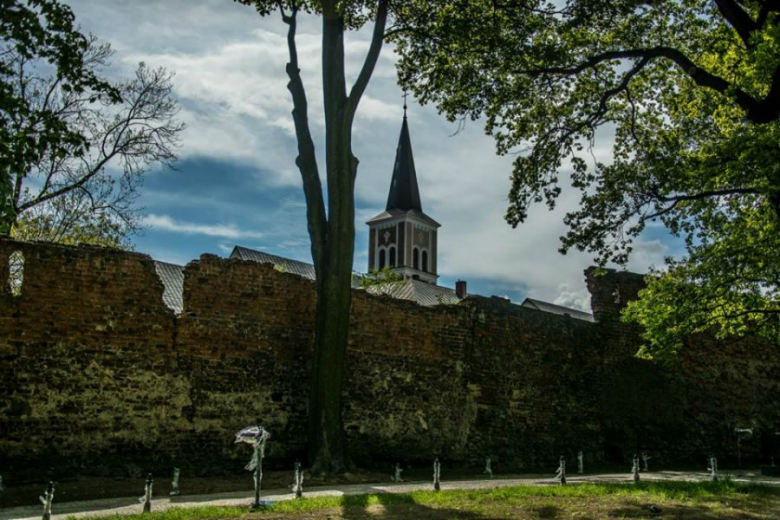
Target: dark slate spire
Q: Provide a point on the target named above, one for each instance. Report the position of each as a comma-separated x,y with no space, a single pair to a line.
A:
404,193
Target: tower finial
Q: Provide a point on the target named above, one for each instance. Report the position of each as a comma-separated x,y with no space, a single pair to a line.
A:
405,94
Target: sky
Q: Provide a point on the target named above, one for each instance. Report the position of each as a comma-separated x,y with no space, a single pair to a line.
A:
236,182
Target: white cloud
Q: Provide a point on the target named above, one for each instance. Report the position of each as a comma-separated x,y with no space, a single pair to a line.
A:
574,299
235,100
166,223
464,186
648,254
372,110
226,249
231,82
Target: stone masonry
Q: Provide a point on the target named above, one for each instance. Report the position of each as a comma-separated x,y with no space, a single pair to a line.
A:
98,376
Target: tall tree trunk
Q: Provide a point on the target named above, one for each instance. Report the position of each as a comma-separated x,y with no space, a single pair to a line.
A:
334,291
334,299
7,211
774,199
332,235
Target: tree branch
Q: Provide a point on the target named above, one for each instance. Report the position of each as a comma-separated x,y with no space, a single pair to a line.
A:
706,194
770,105
757,112
306,160
621,87
738,19
369,64
677,199
70,187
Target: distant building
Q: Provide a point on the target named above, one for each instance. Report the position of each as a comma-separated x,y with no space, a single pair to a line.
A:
556,309
402,238
172,278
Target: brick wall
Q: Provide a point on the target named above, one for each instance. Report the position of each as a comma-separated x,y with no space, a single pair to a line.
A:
690,408
98,376
87,360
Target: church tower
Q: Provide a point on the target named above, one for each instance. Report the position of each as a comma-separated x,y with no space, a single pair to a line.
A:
403,237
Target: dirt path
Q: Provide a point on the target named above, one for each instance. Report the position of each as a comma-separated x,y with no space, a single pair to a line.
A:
129,505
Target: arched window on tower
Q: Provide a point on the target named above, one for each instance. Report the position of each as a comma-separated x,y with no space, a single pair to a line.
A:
392,256
416,258
425,261
381,259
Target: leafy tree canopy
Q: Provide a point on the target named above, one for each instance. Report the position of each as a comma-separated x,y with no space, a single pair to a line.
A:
74,219
691,90
354,13
380,277
68,130
41,30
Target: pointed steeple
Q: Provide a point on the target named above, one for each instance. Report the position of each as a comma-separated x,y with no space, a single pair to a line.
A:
402,237
404,193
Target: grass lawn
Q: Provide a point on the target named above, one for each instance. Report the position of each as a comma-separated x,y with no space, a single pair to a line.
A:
683,500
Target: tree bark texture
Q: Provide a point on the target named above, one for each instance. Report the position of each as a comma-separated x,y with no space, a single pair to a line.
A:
332,236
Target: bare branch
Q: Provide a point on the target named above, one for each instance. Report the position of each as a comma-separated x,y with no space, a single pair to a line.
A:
370,62
306,160
141,134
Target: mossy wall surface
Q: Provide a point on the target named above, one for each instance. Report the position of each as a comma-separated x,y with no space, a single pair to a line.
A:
97,376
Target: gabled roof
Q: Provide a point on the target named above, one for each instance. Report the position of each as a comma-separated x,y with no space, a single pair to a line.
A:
422,293
404,192
172,278
417,291
286,265
556,309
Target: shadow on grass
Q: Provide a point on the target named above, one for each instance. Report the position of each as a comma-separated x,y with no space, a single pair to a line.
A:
426,505
687,490
548,512
676,511
360,507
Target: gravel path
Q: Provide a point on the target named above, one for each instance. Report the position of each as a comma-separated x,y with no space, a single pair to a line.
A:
131,505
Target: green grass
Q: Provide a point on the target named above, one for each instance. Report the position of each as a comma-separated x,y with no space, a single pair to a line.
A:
689,499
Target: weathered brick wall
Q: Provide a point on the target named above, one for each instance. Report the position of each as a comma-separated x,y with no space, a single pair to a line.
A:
98,375
687,409
533,373
87,362
407,394
244,342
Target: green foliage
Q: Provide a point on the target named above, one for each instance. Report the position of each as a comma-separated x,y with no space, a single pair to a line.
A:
480,499
355,13
43,30
71,220
727,285
692,92
381,277
68,131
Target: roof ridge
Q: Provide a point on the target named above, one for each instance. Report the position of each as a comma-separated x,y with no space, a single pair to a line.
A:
167,263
